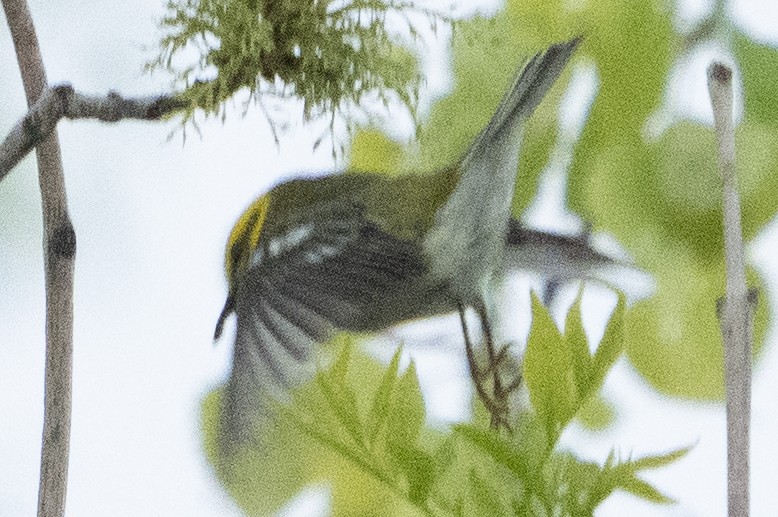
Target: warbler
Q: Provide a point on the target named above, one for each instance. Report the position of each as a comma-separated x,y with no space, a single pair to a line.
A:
363,252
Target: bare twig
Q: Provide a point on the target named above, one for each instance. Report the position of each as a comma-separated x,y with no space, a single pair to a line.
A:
63,101
59,247
735,319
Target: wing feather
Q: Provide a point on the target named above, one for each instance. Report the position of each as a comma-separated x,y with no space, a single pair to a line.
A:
332,279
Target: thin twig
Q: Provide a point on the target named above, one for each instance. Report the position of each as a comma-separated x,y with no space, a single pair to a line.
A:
59,248
735,319
63,101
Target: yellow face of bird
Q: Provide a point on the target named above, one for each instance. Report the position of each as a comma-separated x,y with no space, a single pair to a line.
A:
244,238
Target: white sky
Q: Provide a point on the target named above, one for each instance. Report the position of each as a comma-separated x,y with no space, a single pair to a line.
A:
152,218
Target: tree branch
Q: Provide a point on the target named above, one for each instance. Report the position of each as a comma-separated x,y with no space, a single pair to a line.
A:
59,247
62,101
736,313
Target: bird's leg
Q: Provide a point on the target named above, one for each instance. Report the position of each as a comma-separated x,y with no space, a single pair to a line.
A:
499,397
500,358
492,355
495,402
475,372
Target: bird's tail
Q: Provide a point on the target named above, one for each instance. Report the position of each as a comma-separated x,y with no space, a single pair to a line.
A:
466,241
529,88
559,259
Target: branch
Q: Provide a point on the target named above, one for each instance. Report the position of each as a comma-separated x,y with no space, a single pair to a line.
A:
59,247
737,310
63,101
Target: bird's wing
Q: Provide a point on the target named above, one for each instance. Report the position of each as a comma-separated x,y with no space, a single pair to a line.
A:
301,287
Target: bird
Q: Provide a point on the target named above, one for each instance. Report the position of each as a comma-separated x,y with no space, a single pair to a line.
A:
362,252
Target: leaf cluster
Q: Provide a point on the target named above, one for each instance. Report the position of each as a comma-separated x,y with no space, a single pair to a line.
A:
370,443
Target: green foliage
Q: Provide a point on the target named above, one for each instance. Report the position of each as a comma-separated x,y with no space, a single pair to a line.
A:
597,414
368,440
659,195
327,53
560,372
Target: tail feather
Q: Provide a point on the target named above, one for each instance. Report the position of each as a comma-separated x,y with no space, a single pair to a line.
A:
465,245
528,89
553,255
560,259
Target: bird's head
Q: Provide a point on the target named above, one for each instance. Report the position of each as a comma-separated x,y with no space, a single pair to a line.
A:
241,245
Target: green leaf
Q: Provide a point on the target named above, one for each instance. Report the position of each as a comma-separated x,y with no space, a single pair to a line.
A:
611,181
758,65
419,469
644,490
486,497
659,460
568,482
757,169
343,403
283,480
673,338
504,453
597,414
548,371
403,427
575,337
372,151
407,412
610,348
623,475
340,367
380,409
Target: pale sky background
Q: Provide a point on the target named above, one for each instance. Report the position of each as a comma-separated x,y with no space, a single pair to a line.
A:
152,217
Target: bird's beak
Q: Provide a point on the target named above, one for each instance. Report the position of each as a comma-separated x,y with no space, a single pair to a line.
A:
229,308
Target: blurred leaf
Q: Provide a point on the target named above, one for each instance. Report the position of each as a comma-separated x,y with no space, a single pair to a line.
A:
610,348
404,426
381,407
597,414
502,451
372,151
419,469
486,500
658,460
341,399
283,478
673,338
407,415
630,44
548,372
579,345
757,168
758,66
536,23
644,490
621,193
690,186
616,474
569,482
